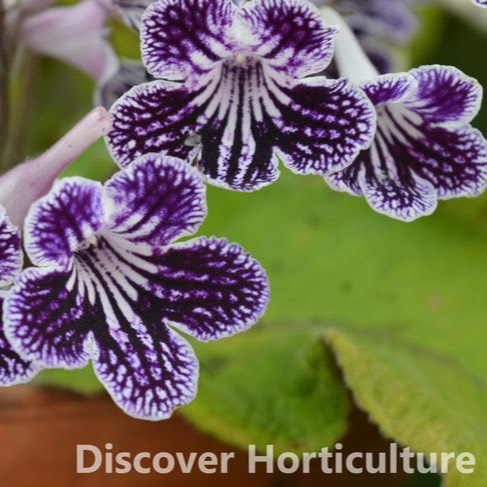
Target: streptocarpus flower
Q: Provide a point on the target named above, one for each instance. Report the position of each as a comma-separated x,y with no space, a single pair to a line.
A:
425,148
13,368
234,94
480,3
112,286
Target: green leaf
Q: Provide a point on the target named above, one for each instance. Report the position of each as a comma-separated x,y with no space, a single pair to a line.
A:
413,293
423,399
263,387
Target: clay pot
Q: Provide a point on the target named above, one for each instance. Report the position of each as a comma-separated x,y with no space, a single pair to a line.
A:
40,428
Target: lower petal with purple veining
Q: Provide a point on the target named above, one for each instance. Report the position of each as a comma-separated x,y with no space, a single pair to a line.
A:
148,370
208,288
155,117
13,368
404,197
46,319
455,162
347,180
323,125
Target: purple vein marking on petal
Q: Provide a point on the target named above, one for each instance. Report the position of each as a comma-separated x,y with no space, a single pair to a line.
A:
208,288
13,368
290,36
183,38
47,320
147,374
154,117
59,222
391,88
156,200
11,258
146,368
339,121
446,95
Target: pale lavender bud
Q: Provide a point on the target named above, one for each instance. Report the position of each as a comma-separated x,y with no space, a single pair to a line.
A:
72,34
26,183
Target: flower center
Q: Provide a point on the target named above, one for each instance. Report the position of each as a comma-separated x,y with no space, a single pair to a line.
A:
91,241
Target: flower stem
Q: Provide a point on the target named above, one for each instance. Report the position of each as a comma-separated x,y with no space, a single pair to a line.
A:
29,181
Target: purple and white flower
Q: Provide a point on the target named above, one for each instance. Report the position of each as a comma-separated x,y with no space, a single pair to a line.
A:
13,368
425,148
112,287
480,3
234,97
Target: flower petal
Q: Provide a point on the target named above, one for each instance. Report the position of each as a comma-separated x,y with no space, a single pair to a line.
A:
156,200
454,161
394,198
290,35
11,258
324,125
208,288
45,319
147,372
446,95
13,368
58,223
180,38
412,163
153,117
347,180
